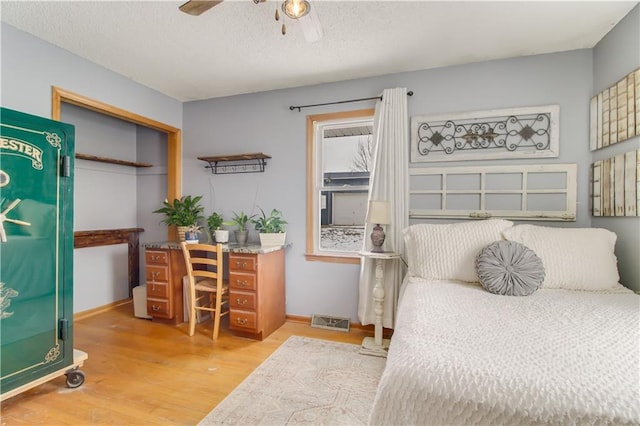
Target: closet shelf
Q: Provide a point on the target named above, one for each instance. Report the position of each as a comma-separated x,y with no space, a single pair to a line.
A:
111,160
239,163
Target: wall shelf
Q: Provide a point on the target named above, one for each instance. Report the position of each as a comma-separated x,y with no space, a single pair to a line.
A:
111,160
241,163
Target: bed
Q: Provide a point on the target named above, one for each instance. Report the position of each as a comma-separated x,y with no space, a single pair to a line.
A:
568,352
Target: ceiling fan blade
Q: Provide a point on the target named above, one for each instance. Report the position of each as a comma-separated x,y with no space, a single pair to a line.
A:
198,7
311,27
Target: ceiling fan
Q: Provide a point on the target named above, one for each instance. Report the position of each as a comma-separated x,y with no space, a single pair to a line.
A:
298,10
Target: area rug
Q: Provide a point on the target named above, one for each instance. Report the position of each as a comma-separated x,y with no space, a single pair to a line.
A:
304,382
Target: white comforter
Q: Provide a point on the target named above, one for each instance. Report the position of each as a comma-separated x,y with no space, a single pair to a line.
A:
461,355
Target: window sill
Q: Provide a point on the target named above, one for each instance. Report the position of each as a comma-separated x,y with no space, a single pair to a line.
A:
351,259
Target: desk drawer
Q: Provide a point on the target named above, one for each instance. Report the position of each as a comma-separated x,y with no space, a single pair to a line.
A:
156,257
240,262
242,300
157,290
158,308
241,281
157,274
243,320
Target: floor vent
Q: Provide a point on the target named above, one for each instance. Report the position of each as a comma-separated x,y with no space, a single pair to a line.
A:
330,323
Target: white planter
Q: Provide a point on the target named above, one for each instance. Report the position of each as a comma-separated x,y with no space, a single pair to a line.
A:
272,239
222,235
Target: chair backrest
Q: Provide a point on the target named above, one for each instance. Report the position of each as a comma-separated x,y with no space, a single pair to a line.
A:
200,257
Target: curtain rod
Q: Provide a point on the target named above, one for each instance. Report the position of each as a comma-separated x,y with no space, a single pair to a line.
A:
299,107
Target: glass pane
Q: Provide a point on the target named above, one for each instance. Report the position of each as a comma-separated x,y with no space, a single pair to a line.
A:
426,182
426,201
503,202
463,201
547,202
503,181
347,154
547,180
342,220
463,182
346,164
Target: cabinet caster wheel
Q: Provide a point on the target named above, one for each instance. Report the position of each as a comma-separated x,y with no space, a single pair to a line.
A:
75,378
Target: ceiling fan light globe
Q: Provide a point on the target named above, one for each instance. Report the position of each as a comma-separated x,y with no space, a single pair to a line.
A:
295,9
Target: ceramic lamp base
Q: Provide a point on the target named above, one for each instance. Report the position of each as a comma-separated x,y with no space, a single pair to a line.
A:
377,239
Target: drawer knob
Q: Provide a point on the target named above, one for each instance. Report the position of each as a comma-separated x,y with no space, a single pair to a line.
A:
241,265
155,308
242,283
155,257
241,302
155,274
241,321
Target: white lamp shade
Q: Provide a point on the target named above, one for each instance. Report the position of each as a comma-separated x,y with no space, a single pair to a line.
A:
379,212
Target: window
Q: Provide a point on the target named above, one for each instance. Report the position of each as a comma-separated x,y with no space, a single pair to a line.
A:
339,147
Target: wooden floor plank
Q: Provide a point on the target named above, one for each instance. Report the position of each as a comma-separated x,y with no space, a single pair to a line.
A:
141,372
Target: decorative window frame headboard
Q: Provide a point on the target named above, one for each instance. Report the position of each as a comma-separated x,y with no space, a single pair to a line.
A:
568,189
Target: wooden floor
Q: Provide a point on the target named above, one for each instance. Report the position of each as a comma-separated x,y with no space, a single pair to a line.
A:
143,373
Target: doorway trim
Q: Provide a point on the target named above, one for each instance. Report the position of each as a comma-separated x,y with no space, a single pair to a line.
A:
174,135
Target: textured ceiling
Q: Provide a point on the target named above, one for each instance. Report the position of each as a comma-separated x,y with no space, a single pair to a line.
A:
237,46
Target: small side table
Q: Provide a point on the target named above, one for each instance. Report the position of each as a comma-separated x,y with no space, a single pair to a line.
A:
378,346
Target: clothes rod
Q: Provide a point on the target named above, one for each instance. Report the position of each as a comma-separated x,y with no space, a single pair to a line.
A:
299,107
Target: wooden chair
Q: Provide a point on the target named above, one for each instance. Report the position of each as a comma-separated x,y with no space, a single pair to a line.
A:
207,291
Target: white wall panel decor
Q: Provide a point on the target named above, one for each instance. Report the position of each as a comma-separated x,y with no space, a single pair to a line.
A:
615,185
615,112
540,192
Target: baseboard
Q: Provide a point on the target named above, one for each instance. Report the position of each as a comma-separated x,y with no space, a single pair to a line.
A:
91,312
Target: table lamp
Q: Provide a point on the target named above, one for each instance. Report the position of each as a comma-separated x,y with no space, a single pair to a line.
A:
379,213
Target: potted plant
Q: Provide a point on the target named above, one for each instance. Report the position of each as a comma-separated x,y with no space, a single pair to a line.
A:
183,213
271,228
215,222
240,220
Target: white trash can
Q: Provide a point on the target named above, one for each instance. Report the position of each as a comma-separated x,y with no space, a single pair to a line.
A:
140,302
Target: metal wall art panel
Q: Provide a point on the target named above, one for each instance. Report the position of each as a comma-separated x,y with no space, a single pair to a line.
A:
531,132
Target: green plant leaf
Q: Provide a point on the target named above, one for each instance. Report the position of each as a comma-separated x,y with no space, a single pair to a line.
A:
186,211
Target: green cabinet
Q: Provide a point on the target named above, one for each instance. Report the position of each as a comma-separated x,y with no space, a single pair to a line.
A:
36,248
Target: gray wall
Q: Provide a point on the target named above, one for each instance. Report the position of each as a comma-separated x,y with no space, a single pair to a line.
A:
104,198
30,66
106,195
263,122
617,54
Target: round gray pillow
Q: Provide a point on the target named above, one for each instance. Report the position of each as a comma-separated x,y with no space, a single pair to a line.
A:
509,268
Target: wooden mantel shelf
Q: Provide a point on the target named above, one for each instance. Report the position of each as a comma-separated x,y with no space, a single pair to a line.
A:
111,160
239,163
106,237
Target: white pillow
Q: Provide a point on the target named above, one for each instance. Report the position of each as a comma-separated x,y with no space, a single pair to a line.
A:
448,251
573,258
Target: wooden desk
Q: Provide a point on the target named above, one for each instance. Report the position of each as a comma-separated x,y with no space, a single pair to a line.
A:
256,286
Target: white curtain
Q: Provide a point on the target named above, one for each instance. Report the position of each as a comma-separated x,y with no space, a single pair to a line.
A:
388,181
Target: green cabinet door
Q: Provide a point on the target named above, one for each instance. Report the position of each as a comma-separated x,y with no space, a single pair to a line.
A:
36,247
